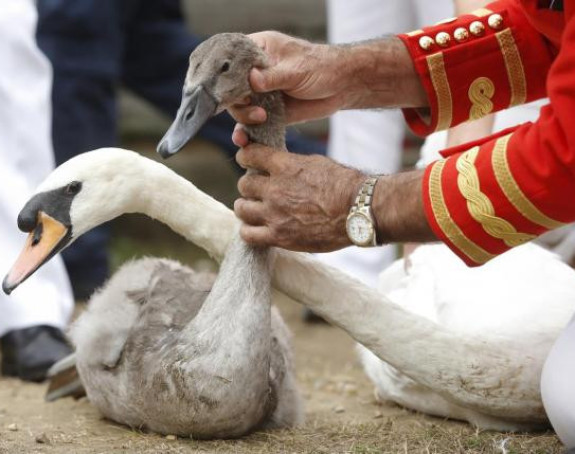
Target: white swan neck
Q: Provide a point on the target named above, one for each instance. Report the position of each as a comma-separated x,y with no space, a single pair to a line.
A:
176,202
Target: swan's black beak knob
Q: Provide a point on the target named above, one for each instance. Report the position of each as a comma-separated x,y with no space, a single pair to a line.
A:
196,108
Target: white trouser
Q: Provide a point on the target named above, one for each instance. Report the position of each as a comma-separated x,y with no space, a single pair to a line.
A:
26,158
368,140
558,386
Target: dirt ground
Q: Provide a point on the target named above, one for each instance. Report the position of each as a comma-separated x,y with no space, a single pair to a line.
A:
342,415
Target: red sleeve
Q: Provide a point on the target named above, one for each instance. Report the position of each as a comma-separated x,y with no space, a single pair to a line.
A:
507,189
476,64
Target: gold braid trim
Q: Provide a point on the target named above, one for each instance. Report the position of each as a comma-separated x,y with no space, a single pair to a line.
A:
446,223
480,93
440,83
514,67
479,205
511,189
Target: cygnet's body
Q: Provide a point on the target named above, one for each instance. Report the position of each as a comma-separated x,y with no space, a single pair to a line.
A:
177,352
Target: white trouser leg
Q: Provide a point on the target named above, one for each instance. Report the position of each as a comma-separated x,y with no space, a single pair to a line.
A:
370,141
428,13
558,385
25,159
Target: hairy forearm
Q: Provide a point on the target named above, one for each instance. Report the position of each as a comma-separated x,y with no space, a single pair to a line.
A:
398,208
380,74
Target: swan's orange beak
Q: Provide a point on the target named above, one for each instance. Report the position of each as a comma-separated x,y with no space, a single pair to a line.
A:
42,243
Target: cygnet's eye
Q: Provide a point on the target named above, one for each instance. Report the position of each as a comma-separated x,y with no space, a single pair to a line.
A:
225,66
73,188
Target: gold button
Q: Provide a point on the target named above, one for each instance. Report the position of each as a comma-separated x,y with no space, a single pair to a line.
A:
442,39
425,42
460,34
495,21
476,28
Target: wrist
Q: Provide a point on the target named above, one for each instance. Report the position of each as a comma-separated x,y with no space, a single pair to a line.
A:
397,207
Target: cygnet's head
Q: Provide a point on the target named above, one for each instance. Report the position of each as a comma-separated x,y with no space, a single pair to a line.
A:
217,78
82,193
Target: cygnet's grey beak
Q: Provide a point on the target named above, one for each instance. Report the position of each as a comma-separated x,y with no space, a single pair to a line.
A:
196,108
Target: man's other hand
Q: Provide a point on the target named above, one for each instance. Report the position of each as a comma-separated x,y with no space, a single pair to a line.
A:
296,202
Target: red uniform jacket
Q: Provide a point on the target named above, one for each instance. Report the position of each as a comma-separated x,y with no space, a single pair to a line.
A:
499,192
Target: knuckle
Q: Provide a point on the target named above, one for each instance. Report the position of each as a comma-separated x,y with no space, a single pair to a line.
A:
280,160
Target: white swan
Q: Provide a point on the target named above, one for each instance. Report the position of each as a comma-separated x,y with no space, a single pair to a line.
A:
527,295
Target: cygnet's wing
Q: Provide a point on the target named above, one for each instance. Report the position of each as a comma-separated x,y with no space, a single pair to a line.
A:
172,298
145,294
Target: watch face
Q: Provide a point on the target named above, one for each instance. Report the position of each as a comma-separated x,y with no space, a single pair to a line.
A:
359,229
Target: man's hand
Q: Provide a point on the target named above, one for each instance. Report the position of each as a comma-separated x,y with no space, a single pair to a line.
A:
319,79
310,75
297,202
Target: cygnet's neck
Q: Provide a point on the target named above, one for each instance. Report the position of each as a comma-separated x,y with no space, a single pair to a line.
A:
272,132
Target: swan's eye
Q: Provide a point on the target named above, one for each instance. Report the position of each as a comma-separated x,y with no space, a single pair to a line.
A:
73,188
225,66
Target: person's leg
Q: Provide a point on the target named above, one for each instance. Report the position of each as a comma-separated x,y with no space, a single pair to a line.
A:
427,13
84,42
84,119
558,386
371,141
34,315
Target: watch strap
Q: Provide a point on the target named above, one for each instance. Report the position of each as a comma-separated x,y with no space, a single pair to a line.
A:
363,201
365,194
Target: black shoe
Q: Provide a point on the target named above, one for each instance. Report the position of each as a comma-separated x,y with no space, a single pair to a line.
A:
29,353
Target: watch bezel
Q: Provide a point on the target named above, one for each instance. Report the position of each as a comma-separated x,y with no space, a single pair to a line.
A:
370,240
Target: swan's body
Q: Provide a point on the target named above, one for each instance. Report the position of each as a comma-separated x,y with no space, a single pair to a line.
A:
525,296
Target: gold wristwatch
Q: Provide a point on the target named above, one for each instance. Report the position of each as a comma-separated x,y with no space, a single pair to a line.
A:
360,224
